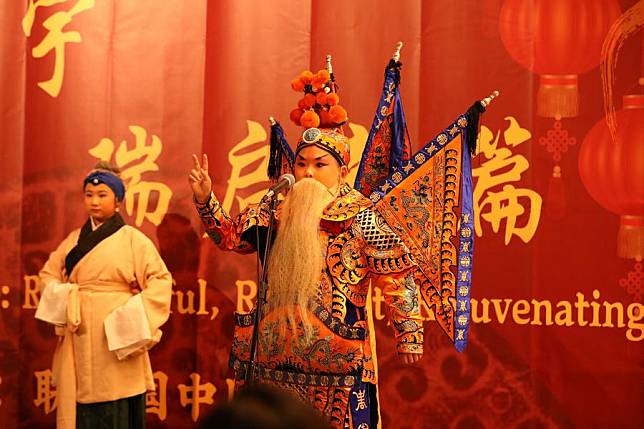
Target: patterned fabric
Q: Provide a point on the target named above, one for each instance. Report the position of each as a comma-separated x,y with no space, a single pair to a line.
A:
427,198
360,405
428,204
227,233
388,144
330,140
360,249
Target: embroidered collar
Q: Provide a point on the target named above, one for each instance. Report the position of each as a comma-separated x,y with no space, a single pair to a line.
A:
88,239
348,204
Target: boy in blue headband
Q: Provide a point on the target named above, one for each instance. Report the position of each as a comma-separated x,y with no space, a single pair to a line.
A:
107,292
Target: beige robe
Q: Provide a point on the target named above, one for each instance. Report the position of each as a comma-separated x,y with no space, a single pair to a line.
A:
101,287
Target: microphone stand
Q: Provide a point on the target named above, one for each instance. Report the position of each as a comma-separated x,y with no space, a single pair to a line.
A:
251,373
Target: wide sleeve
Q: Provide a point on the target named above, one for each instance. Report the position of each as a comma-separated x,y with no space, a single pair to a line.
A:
52,306
401,296
154,279
232,233
134,327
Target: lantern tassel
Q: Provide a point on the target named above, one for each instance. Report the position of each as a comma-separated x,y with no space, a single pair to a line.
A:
556,196
630,237
558,96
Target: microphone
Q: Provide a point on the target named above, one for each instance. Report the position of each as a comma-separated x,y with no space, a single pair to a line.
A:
285,181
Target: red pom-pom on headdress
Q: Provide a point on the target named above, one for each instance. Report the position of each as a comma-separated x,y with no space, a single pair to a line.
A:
319,112
297,85
320,105
295,116
337,114
323,76
310,119
309,100
319,80
306,77
320,98
325,119
332,99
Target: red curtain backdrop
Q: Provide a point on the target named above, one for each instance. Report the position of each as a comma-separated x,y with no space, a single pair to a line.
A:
557,330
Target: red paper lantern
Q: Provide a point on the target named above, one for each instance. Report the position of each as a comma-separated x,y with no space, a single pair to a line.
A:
557,39
613,173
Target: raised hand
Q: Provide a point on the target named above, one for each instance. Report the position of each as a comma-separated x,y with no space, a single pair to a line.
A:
200,179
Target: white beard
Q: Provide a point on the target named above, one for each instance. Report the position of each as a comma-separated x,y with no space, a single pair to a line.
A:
297,256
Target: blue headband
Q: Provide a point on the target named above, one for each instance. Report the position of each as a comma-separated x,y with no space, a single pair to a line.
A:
113,181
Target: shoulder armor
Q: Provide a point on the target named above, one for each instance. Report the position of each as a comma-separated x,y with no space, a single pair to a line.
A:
375,230
385,251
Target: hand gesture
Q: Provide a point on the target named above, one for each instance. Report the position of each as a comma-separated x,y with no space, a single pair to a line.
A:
200,179
410,358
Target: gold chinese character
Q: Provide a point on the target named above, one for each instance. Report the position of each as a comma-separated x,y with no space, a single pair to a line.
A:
133,164
45,395
55,39
240,158
508,203
361,397
196,394
156,401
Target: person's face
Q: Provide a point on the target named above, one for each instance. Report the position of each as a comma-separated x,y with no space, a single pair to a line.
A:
316,163
100,202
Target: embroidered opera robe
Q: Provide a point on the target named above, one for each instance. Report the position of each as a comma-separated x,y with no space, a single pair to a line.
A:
361,252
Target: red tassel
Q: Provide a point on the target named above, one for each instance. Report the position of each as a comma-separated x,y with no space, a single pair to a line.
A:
555,204
558,96
630,237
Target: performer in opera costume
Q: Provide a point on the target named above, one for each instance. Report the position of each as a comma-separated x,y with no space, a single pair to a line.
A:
107,292
397,230
329,246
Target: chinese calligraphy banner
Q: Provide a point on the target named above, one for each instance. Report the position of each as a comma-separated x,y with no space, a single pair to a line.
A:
557,330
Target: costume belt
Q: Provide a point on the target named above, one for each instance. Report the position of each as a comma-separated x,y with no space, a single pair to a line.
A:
102,286
294,377
333,323
64,366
